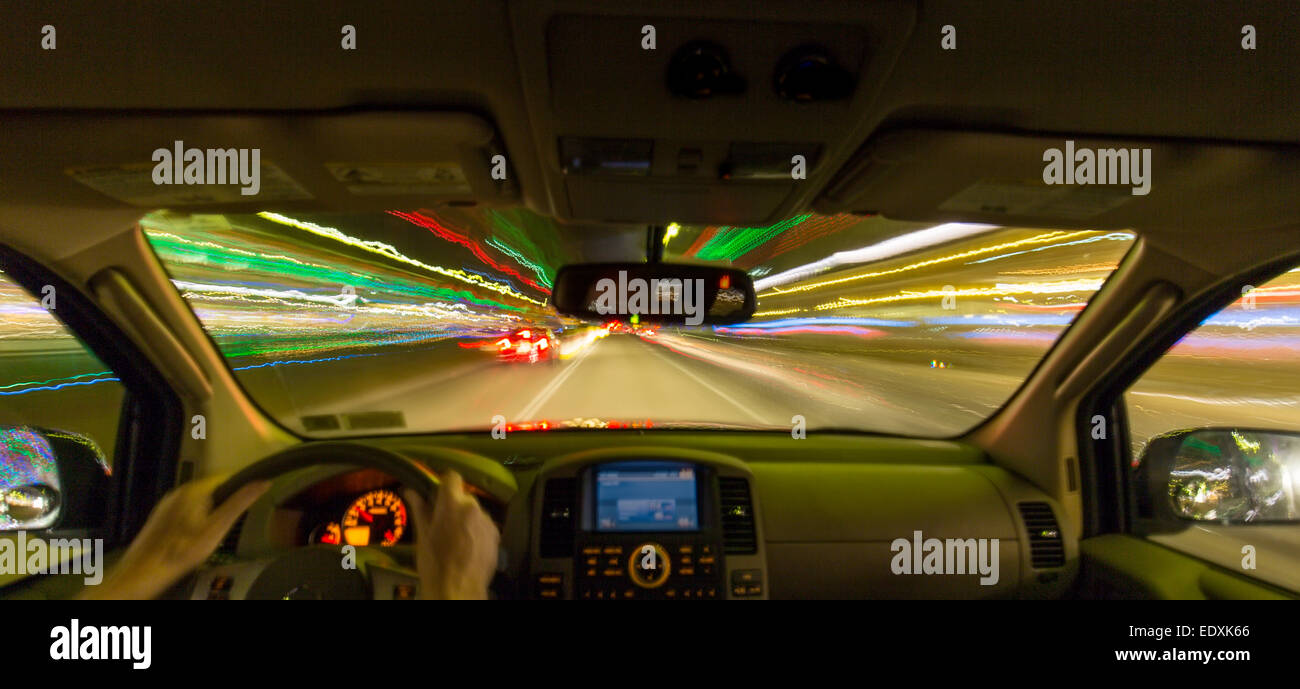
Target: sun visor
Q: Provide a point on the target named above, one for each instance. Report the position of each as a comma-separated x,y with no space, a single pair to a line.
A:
932,175
360,161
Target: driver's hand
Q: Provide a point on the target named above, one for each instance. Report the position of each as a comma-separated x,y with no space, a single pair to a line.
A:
182,531
456,546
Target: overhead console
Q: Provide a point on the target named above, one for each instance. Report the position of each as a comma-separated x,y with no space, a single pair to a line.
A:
611,90
646,524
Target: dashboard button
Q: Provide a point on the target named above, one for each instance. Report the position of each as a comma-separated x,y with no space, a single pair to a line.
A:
220,589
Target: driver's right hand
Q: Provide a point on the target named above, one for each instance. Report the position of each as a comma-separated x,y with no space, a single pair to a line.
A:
456,546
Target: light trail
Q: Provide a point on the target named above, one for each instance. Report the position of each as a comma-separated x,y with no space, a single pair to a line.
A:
390,252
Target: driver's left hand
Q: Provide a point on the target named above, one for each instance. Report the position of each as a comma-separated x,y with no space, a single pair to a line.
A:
182,532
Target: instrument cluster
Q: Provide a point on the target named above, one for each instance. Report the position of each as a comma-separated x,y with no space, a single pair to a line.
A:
359,508
377,517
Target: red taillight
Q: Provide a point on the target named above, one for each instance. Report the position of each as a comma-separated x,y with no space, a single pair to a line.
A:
504,343
725,282
526,334
543,343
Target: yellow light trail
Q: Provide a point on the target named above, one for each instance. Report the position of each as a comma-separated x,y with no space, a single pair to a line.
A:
776,312
152,232
391,252
1000,290
1036,239
1065,270
574,345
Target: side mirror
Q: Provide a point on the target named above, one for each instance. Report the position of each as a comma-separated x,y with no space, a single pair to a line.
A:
1226,475
51,478
672,293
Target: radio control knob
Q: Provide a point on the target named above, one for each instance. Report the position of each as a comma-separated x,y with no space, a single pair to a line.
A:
648,565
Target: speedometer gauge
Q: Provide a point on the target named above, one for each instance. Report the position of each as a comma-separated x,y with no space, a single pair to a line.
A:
378,517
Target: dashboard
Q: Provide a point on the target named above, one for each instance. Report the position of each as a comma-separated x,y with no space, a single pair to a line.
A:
669,516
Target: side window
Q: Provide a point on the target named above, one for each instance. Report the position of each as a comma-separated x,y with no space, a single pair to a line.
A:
59,413
1215,436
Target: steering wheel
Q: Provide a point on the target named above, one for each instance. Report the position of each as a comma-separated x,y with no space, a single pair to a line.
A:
319,571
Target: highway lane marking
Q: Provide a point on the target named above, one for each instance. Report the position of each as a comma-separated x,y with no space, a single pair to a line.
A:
712,389
544,395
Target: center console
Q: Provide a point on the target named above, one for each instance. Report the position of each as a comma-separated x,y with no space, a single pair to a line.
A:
666,525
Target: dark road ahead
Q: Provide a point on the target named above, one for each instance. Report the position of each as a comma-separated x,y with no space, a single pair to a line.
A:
689,378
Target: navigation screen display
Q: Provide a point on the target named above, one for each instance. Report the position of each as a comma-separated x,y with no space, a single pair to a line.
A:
646,496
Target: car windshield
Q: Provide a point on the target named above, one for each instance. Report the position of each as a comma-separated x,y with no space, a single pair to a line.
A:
439,320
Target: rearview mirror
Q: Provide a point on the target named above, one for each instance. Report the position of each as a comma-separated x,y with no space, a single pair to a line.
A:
1226,475
671,293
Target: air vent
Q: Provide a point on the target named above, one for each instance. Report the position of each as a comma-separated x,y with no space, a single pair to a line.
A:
738,535
1046,547
321,422
559,505
369,420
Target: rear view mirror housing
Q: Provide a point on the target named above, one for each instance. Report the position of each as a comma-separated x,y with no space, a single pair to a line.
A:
1224,475
667,293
